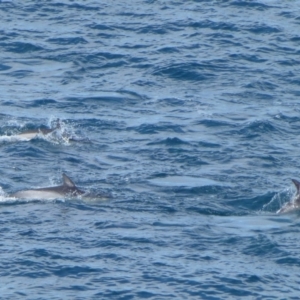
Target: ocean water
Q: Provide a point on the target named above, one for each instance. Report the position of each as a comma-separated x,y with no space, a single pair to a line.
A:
186,113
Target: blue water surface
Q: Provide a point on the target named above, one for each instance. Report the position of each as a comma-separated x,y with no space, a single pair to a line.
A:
186,113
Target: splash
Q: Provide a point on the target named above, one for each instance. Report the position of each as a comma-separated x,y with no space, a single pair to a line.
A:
63,134
278,200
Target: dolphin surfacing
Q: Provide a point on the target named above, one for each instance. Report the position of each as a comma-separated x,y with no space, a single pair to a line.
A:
294,204
67,189
31,134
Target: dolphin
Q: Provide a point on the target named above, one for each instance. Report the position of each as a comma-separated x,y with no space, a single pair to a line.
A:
67,189
31,134
294,204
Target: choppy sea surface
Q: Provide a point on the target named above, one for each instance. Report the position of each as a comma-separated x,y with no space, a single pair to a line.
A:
186,113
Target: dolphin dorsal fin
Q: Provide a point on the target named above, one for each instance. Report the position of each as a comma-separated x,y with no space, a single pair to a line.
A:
67,181
297,184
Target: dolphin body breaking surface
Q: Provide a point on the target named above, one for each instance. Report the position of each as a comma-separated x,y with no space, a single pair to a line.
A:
67,189
294,204
31,134
28,135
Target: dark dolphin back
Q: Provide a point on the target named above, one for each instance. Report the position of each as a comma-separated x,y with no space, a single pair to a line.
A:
49,130
297,185
69,185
